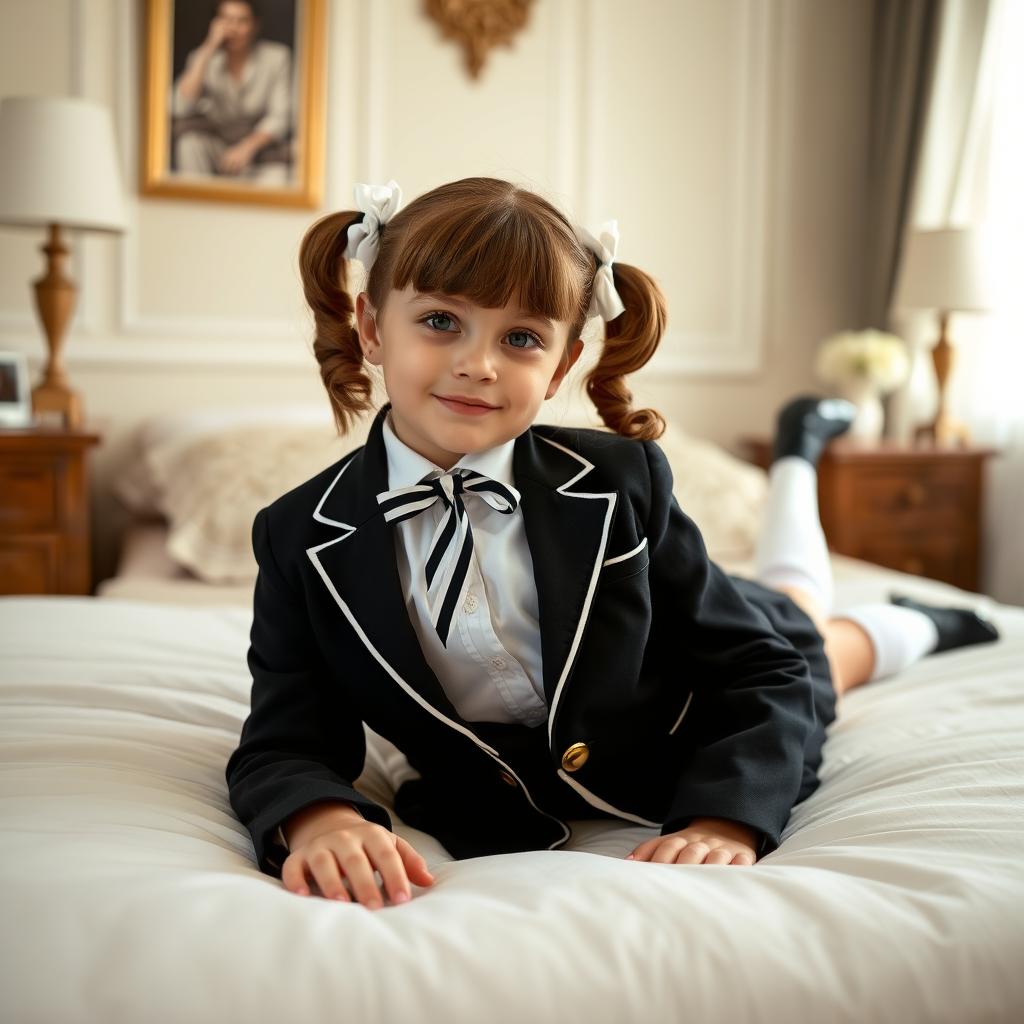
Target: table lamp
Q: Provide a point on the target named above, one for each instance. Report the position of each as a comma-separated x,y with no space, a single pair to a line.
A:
945,269
58,169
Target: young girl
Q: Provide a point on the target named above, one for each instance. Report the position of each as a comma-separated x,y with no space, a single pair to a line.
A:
524,610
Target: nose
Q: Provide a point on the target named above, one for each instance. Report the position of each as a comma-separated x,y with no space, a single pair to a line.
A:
474,360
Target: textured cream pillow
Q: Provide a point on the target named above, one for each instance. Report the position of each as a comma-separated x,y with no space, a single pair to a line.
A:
210,488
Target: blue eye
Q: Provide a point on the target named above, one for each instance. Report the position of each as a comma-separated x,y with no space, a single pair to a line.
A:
526,334
438,316
451,321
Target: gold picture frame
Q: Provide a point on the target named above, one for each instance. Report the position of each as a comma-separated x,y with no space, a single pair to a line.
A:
245,136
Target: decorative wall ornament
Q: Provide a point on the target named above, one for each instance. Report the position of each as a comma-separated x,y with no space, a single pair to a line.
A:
479,25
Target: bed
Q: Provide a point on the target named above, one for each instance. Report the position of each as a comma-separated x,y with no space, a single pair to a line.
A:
131,891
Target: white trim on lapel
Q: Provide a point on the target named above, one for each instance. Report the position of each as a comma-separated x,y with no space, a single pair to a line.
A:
611,497
320,504
312,552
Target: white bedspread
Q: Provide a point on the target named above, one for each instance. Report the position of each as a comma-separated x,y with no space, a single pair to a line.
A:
130,892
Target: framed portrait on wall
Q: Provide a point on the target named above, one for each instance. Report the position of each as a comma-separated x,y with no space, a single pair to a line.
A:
235,101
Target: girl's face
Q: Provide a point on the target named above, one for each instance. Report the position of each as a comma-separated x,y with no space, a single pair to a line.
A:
438,352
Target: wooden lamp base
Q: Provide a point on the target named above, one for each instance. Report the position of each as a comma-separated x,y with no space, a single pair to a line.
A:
53,397
944,429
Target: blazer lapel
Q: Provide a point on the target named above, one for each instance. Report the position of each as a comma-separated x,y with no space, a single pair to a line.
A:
360,570
567,528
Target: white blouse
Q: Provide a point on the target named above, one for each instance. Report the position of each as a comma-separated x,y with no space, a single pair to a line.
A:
491,669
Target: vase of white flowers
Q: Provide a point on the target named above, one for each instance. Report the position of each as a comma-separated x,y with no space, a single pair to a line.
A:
862,366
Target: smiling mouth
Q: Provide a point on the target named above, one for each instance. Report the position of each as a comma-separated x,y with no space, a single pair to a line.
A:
463,408
466,401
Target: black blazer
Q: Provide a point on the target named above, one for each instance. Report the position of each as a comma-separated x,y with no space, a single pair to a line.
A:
670,695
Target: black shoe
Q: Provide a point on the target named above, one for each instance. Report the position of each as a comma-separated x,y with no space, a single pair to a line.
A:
957,627
806,424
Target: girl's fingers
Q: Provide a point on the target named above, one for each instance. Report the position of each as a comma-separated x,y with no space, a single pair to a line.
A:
694,853
325,870
645,849
391,867
673,850
719,855
415,865
359,872
293,875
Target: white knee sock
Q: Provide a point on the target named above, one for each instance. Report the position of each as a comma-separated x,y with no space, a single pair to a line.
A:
791,547
899,635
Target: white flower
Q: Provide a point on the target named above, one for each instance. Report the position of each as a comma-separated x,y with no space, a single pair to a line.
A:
869,355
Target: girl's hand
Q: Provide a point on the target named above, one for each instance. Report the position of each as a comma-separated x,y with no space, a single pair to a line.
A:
352,852
703,841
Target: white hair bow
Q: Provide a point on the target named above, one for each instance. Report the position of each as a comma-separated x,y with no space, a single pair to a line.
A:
605,299
379,204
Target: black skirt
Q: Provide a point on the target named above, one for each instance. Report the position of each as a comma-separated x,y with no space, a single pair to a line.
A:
787,618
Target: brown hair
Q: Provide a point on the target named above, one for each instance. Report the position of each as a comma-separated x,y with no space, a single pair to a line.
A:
491,242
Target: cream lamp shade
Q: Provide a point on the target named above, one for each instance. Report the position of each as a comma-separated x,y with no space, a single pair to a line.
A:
58,169
949,270
58,164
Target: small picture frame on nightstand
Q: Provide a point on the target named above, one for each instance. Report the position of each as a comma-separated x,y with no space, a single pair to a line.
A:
15,394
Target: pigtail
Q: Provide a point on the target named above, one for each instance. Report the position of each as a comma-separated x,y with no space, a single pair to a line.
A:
629,342
324,272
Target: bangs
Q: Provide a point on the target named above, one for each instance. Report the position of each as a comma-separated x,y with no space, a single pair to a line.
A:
497,254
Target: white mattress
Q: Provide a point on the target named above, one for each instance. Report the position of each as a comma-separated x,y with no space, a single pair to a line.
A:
130,891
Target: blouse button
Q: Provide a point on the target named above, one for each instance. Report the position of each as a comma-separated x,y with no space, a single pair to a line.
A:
471,603
498,663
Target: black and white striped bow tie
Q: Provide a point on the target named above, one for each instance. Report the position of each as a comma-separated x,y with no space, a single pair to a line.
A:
453,536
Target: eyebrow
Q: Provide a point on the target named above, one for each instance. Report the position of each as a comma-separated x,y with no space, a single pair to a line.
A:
450,300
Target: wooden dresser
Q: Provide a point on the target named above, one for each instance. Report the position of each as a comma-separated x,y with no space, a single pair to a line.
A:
44,510
915,509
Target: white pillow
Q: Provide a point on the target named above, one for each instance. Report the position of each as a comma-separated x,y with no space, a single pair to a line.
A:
135,486
210,484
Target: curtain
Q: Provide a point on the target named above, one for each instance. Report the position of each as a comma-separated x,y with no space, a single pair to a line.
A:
904,39
969,173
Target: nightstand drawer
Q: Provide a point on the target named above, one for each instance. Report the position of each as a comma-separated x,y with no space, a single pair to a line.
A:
30,565
940,558
29,490
932,496
44,510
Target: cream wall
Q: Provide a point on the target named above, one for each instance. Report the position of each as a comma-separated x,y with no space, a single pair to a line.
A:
726,136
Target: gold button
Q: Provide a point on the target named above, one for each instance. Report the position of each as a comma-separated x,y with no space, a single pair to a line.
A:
508,777
575,757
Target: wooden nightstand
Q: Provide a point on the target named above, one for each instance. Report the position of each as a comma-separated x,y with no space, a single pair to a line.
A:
914,509
44,510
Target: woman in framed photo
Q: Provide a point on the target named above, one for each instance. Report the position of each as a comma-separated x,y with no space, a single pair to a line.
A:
232,104
235,101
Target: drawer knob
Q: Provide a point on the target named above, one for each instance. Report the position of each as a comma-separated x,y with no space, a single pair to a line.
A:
913,565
